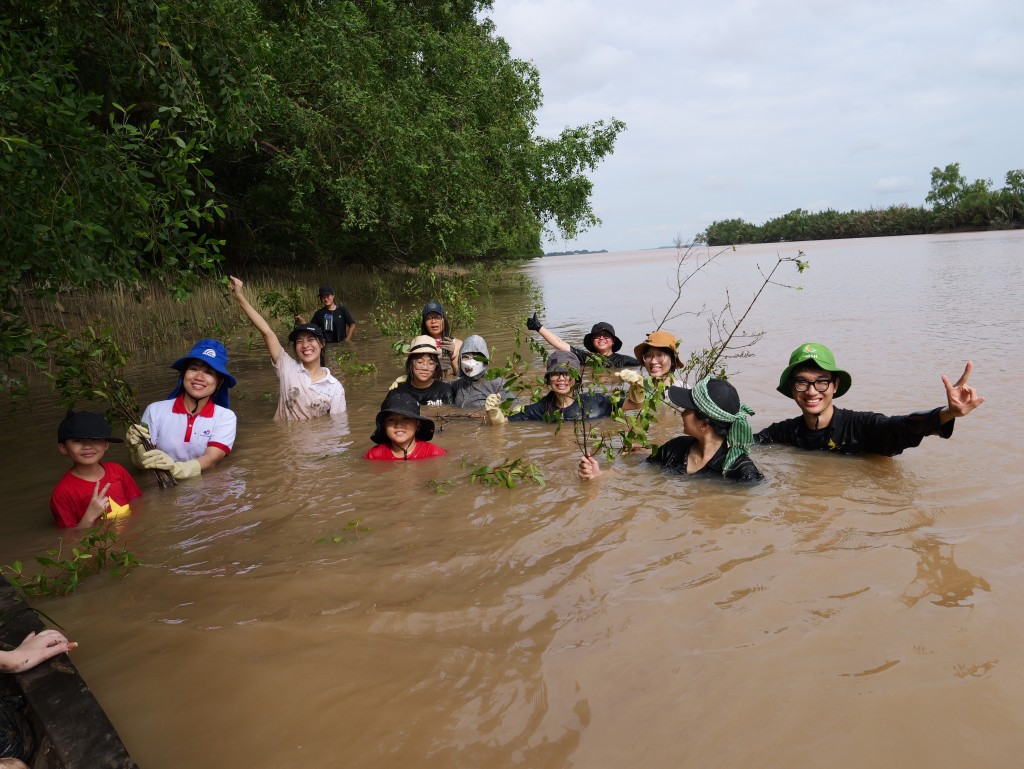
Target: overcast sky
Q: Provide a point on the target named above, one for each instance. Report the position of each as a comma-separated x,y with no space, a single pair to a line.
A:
751,108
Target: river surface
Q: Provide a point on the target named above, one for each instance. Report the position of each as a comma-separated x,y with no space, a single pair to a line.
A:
846,612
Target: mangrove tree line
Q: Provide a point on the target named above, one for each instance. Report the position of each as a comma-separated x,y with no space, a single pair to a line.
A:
955,205
143,140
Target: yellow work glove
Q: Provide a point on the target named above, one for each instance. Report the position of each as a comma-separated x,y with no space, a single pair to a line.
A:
180,471
495,416
133,438
398,381
636,385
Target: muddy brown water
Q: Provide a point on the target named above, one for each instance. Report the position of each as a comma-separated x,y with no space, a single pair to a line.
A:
846,612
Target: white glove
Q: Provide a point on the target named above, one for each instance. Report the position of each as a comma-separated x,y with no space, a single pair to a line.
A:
398,381
636,384
136,434
158,460
133,438
492,404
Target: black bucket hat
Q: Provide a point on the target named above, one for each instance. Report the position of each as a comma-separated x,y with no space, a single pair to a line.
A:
721,392
602,328
307,328
404,405
84,426
326,291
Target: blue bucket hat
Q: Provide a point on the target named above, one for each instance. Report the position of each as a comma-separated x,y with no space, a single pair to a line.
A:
213,354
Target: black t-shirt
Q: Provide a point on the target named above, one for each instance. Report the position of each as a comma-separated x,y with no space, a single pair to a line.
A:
672,456
335,322
859,432
595,407
437,394
615,360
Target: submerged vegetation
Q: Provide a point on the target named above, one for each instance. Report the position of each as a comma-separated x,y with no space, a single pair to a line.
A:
955,205
63,568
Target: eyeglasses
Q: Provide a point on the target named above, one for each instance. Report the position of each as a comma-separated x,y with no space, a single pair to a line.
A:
424,363
801,385
560,375
600,334
655,355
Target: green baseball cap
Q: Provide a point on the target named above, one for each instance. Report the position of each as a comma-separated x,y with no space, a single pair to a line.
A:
820,356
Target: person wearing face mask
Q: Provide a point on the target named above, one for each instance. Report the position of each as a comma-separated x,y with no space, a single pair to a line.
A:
472,387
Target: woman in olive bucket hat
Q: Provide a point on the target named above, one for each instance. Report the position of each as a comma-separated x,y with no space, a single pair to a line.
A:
814,380
194,428
659,355
717,435
601,344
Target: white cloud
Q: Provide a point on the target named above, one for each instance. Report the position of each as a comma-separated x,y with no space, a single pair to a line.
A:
891,184
754,108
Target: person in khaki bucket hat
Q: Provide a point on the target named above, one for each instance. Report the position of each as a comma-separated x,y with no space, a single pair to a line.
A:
659,355
813,380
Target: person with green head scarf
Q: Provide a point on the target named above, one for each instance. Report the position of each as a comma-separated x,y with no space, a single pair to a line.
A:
813,380
717,435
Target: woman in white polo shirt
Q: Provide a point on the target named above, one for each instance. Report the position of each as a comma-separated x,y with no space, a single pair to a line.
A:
194,428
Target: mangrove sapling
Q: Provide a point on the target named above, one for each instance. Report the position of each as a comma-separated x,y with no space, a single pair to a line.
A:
90,365
351,534
509,473
61,575
726,340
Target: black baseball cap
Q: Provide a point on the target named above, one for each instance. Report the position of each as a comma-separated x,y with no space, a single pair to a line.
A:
85,426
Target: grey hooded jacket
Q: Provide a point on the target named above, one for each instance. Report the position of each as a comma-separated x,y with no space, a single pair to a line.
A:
471,393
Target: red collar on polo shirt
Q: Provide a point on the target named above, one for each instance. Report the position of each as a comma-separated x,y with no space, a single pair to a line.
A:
179,407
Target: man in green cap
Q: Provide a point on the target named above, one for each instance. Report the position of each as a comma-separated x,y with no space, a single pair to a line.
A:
813,380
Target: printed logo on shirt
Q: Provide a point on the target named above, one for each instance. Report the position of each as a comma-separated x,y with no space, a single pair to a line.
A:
210,353
207,433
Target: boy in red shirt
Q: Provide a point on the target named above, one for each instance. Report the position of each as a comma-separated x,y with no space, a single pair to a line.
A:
402,434
91,488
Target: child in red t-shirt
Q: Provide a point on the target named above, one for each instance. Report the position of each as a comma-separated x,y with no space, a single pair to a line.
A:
402,434
91,488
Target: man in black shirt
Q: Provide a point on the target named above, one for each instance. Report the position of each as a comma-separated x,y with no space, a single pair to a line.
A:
813,380
335,320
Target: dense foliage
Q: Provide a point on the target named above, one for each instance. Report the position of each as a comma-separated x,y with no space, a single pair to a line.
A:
144,141
956,205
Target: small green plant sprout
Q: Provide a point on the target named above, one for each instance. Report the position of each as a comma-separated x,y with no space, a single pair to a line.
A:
440,487
348,364
509,473
61,571
351,534
633,427
282,305
89,365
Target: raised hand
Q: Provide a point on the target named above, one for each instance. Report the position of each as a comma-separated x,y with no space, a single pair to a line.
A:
961,398
492,404
589,468
534,324
98,505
